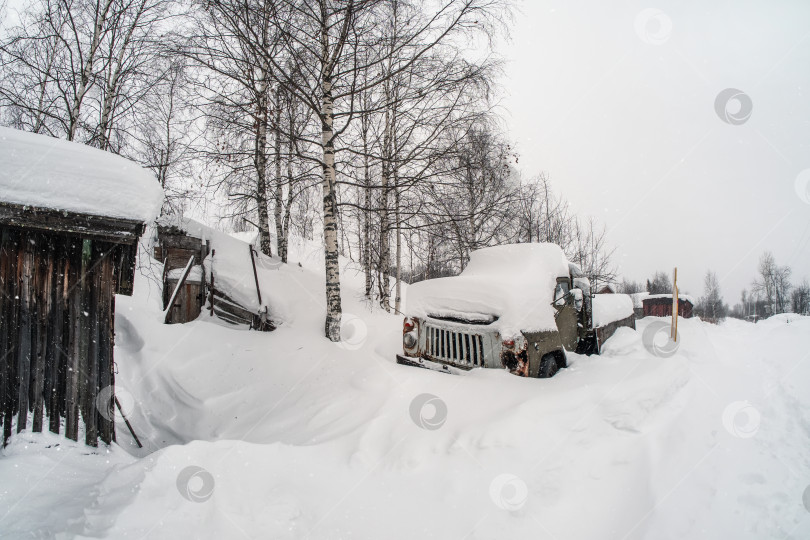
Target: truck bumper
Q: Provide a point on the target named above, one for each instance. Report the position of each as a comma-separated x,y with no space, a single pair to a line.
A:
428,364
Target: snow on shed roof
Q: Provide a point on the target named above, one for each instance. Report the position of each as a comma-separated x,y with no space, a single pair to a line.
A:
42,171
514,282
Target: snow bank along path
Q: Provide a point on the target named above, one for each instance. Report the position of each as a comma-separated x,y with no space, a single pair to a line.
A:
297,437
43,171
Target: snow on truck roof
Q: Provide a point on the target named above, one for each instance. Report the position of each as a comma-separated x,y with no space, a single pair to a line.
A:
45,172
513,282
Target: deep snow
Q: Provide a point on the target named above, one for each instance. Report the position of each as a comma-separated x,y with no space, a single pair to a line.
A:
297,437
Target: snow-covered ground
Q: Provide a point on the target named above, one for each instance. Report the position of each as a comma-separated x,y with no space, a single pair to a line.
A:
287,435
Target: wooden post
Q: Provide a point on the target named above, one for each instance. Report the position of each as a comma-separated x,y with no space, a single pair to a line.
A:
126,421
213,252
61,338
675,303
6,326
43,281
50,351
105,350
95,320
84,320
255,275
25,269
72,366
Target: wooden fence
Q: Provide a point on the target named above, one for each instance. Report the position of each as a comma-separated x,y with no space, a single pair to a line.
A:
57,309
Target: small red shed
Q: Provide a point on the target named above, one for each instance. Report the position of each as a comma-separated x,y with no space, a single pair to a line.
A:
660,305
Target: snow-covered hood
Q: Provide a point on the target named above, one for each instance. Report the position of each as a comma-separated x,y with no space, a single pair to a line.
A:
461,297
513,283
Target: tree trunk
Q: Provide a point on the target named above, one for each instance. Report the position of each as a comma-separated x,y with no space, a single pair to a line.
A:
40,113
260,162
366,211
330,237
385,246
398,217
87,68
285,242
104,126
279,191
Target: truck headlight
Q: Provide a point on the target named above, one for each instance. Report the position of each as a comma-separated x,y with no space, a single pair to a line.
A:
409,340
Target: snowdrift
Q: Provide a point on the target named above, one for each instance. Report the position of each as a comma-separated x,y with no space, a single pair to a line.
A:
287,435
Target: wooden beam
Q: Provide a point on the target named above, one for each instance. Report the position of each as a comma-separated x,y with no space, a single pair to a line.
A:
42,286
126,421
111,229
72,365
255,275
24,336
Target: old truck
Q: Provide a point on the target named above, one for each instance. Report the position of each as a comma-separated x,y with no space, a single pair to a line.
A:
519,306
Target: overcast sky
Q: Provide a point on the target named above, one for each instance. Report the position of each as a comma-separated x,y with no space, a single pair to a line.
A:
616,102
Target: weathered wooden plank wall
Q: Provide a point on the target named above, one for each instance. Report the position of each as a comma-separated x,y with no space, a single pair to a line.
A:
57,309
188,304
662,307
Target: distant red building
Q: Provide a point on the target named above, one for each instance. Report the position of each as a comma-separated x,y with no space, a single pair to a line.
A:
660,305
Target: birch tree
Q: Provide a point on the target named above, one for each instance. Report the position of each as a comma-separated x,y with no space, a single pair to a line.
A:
326,38
77,68
229,46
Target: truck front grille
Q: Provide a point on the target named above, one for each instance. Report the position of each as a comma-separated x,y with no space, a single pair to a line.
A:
455,347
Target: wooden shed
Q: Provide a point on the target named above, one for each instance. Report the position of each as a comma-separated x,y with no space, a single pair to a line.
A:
174,248
182,241
60,270
660,305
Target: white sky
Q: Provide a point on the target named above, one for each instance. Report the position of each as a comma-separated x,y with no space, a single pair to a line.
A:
628,133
